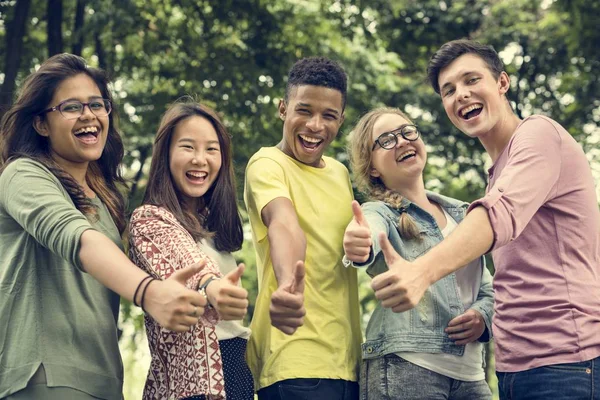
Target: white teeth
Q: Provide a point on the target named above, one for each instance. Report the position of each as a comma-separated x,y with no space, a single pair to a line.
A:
406,154
470,108
310,139
86,129
197,174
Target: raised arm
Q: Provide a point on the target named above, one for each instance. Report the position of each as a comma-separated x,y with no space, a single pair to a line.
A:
161,246
35,199
287,244
527,181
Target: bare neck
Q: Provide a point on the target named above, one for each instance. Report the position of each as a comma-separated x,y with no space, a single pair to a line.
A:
415,192
498,137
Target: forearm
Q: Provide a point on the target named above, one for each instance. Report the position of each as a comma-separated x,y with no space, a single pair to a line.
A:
103,260
471,239
287,244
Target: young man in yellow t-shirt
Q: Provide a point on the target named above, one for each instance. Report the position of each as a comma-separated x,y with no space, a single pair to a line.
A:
305,341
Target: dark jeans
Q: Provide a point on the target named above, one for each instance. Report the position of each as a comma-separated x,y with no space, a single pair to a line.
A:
576,381
310,389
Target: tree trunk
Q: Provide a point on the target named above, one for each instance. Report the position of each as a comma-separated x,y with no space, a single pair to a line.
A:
54,15
102,62
78,35
14,46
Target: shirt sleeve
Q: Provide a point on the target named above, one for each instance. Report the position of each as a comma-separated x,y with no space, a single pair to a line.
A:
265,181
528,180
37,201
162,246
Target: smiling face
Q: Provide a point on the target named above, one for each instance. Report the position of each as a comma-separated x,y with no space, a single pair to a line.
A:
194,159
402,164
312,118
473,99
74,142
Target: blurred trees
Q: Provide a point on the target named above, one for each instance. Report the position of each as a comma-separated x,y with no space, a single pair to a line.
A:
234,56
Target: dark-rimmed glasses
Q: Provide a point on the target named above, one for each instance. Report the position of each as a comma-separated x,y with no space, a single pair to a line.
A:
389,140
73,109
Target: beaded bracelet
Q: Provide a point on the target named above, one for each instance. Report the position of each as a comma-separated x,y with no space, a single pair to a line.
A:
138,289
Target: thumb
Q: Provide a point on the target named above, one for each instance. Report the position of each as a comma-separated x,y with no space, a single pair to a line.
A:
390,255
358,214
235,275
297,285
184,274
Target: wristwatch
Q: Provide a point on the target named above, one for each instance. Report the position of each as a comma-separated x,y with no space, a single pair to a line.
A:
202,289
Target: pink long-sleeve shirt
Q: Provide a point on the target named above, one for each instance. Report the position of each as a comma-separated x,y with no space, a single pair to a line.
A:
544,213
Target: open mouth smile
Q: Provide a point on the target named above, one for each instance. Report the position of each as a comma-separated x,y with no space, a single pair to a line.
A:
406,155
87,134
471,111
196,177
309,143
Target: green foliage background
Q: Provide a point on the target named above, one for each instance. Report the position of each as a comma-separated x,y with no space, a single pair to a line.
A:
234,56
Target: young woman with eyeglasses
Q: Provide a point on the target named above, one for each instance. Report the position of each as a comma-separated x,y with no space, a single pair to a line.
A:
434,350
62,268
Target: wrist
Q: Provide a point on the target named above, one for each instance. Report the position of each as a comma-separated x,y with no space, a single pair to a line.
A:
204,290
427,272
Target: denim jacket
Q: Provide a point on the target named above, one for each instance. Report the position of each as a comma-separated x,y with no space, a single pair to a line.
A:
422,328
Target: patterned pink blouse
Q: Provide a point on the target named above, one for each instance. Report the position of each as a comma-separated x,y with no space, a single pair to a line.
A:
184,363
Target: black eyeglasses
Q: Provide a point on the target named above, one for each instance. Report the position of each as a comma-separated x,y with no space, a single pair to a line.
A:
73,109
389,140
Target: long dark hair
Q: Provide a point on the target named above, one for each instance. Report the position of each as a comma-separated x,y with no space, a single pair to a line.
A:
223,218
18,137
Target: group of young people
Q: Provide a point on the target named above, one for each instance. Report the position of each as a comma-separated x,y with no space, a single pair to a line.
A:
62,265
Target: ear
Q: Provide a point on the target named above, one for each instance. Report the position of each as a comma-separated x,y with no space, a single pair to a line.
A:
41,126
503,82
374,173
342,118
282,109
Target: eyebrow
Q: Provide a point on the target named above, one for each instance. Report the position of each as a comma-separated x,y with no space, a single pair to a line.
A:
336,112
396,129
185,139
89,98
449,83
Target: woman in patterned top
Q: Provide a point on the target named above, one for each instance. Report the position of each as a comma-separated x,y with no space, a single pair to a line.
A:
189,213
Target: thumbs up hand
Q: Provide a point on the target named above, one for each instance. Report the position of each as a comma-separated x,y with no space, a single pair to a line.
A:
287,302
227,297
403,285
172,304
357,238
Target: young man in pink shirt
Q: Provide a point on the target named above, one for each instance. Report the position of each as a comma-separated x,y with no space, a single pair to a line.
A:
540,220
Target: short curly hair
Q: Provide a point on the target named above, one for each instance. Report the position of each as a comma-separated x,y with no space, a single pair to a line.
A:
317,71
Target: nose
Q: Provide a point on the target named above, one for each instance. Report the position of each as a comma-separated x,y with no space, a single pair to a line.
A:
86,112
199,158
400,141
315,123
462,92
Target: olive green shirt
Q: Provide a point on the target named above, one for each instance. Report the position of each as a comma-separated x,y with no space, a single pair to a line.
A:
51,312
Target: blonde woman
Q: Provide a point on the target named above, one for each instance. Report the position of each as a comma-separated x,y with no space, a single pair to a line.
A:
434,350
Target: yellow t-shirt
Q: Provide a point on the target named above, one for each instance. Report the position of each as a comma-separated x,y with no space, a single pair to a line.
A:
328,344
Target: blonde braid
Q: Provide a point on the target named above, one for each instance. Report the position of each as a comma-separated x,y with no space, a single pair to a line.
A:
407,226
